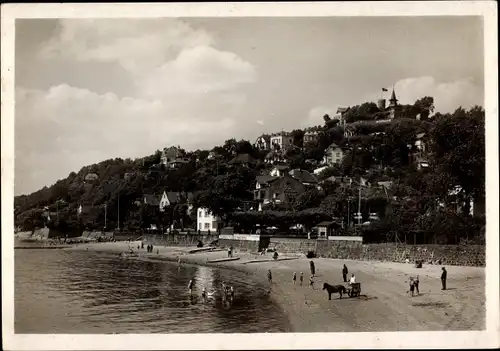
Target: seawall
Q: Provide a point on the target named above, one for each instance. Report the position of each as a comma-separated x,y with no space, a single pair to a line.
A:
457,255
180,239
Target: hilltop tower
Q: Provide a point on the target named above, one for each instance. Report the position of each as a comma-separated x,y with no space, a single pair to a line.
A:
393,105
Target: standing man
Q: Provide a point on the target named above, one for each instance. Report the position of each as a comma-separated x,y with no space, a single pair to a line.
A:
443,278
190,287
416,282
294,277
313,269
344,273
301,278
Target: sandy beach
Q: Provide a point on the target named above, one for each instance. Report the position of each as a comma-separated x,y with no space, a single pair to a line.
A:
384,304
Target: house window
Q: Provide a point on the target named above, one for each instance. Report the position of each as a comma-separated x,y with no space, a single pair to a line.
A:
207,225
338,154
200,213
206,213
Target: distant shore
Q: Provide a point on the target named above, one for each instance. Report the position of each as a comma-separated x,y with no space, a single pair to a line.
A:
384,304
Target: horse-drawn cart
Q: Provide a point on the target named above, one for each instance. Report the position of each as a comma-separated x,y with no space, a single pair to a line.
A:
354,289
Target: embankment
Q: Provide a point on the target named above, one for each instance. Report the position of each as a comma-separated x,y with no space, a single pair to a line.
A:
348,248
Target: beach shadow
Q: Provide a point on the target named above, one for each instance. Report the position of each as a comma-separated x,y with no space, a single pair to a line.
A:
431,304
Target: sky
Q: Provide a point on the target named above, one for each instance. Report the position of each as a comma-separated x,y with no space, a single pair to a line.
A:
93,89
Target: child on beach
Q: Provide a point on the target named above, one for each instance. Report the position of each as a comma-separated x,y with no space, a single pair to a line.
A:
416,285
269,276
301,278
294,277
311,282
412,286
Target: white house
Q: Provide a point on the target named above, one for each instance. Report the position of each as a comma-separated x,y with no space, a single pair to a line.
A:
282,140
207,221
279,170
333,155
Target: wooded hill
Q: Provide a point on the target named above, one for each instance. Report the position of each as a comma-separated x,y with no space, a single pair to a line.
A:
375,151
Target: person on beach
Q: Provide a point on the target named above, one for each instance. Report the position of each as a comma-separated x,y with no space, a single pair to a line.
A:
313,269
232,293
294,277
301,278
352,280
416,281
311,282
229,252
204,293
190,287
412,286
179,261
269,276
443,278
157,251
142,245
344,273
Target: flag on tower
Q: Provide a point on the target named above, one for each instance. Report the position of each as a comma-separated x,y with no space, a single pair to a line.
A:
384,89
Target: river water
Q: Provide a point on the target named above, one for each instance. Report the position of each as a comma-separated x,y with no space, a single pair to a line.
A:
73,292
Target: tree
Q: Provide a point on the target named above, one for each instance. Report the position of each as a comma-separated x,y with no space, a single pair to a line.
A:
298,137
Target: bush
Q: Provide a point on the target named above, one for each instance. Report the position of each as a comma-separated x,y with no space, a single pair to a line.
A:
311,254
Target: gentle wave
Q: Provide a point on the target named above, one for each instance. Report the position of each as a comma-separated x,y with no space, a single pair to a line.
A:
59,291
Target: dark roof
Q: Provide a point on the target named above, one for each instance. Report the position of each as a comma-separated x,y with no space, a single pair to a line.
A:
333,146
281,167
151,199
264,179
303,176
242,158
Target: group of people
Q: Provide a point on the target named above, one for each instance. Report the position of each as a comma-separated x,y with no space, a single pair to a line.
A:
227,291
149,248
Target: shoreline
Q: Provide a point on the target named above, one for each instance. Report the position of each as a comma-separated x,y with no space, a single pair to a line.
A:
383,305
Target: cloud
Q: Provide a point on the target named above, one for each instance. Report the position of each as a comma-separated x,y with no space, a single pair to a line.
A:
448,96
187,93
65,128
131,43
315,116
260,122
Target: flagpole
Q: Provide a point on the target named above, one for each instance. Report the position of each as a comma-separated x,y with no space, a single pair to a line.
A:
118,212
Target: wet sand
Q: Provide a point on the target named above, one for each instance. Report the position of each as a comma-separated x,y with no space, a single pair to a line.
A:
384,304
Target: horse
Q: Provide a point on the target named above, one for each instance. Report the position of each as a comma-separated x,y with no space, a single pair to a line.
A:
331,289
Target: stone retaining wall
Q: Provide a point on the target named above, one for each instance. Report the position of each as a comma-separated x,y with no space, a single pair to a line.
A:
470,255
181,239
290,245
241,245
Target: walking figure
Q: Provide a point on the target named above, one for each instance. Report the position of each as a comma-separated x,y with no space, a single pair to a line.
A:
344,273
313,269
443,278
190,287
416,282
311,282
269,276
294,277
301,278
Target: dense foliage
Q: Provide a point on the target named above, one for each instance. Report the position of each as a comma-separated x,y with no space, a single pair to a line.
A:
419,200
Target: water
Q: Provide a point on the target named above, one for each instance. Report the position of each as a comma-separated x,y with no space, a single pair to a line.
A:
61,291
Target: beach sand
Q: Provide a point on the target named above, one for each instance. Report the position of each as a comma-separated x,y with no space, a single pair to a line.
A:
384,304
